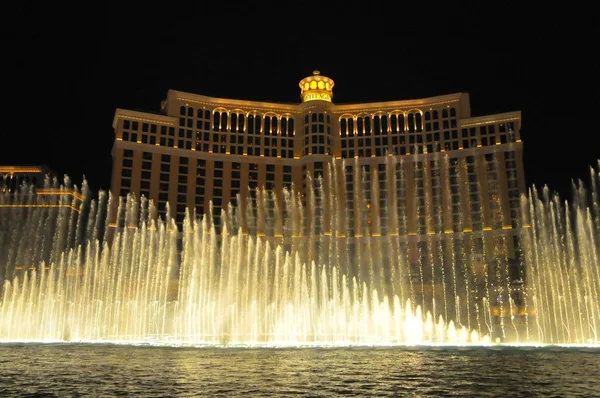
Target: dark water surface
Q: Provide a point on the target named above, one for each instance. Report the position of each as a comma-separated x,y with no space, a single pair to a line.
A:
99,370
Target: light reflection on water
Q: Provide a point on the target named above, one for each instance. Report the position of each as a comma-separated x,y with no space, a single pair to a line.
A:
112,370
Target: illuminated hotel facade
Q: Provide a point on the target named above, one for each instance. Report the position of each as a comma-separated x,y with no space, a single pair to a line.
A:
446,172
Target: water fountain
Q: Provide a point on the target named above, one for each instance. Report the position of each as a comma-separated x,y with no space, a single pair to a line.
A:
69,279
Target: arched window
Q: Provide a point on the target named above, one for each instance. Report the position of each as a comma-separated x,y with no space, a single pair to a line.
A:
223,121
257,121
411,122
350,126
216,120
384,124
274,125
343,127
250,124
241,122
418,122
401,123
233,122
376,124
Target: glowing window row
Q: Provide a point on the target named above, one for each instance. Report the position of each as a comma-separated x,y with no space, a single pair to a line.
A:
232,121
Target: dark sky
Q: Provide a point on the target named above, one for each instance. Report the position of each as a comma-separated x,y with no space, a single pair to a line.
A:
67,69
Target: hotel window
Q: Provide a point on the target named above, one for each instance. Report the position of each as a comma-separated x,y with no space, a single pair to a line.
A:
235,123
250,126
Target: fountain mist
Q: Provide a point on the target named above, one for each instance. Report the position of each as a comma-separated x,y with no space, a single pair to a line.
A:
334,276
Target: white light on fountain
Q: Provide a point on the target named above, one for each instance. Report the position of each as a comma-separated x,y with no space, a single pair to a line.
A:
238,288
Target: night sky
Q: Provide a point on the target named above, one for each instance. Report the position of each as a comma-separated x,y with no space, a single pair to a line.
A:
66,70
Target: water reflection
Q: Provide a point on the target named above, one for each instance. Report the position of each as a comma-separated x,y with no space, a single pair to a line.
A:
67,370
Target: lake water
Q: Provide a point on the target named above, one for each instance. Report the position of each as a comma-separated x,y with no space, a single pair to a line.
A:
105,370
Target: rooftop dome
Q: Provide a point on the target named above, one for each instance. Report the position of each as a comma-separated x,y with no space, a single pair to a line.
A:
316,88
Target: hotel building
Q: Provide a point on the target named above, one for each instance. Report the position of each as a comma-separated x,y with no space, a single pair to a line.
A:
13,177
35,187
426,162
36,216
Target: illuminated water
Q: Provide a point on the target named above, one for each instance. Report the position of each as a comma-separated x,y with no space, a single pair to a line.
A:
253,290
60,370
